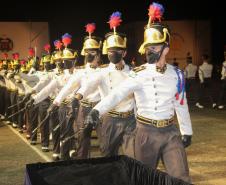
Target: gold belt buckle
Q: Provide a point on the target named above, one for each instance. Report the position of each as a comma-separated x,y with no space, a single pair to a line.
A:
161,123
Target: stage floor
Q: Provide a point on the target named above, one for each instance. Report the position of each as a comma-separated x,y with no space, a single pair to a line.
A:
206,155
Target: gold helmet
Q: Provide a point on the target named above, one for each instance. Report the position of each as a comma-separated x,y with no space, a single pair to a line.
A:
155,33
114,39
23,67
5,59
15,61
57,54
46,57
68,54
91,42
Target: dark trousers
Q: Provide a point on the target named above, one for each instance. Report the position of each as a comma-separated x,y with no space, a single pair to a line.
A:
111,132
222,92
33,121
54,121
44,128
2,100
153,144
206,91
67,115
13,100
7,102
191,89
21,116
83,144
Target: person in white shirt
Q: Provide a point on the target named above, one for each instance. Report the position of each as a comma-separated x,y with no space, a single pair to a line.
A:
4,94
13,87
190,76
67,110
206,83
92,54
223,85
159,91
117,120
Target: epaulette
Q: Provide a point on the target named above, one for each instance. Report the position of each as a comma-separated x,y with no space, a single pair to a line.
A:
80,67
103,65
138,69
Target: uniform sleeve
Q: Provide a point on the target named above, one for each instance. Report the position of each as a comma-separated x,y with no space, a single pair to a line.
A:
32,70
72,86
117,95
223,71
44,93
183,116
42,83
90,85
201,75
186,72
29,78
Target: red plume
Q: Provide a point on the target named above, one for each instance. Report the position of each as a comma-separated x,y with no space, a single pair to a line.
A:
115,20
31,52
155,12
90,27
16,56
5,55
22,62
47,48
66,39
58,44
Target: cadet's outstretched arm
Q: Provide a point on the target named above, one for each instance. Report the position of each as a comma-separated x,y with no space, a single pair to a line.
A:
117,95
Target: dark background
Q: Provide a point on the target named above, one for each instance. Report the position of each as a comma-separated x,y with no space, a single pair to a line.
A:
72,16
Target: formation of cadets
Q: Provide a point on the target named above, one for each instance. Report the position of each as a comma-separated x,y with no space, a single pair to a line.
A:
129,108
200,85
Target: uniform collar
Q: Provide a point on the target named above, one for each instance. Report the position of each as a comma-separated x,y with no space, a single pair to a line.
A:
113,66
153,67
89,66
66,71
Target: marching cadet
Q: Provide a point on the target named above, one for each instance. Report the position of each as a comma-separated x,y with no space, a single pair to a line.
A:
2,90
159,91
66,110
190,76
43,104
7,89
54,117
223,84
3,94
21,94
91,51
13,87
29,81
117,120
205,77
45,77
31,61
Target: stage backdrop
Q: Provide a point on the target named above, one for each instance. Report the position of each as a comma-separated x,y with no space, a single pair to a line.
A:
186,36
21,35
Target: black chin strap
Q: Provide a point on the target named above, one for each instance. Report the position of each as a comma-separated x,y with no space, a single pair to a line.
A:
163,47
